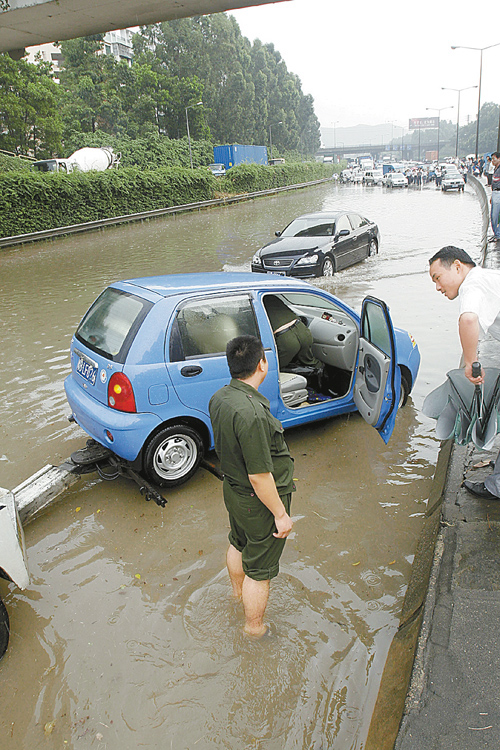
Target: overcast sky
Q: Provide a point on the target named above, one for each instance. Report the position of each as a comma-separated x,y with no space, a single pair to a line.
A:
368,62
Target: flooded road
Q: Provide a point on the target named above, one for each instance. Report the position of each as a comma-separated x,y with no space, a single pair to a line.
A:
127,636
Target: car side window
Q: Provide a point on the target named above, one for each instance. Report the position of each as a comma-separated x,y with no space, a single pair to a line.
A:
355,220
203,327
342,223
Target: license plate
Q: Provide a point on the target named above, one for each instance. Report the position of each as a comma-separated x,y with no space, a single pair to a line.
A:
87,370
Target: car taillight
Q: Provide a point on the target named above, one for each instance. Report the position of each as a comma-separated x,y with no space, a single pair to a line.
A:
120,393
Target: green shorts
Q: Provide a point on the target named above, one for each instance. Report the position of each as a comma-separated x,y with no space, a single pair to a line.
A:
252,528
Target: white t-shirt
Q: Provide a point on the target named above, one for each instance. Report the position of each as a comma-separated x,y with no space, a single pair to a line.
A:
479,293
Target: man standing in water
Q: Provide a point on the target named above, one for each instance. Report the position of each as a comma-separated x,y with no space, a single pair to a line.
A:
258,478
478,290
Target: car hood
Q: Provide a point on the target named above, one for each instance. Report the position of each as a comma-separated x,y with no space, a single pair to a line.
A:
294,245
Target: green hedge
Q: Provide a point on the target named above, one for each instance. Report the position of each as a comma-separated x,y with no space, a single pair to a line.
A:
246,178
35,201
14,164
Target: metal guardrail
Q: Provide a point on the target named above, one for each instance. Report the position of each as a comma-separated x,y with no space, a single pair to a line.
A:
482,195
45,234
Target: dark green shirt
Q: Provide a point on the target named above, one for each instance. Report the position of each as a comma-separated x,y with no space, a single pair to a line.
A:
248,439
279,313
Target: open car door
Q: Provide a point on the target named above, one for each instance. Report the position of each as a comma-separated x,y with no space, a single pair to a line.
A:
378,378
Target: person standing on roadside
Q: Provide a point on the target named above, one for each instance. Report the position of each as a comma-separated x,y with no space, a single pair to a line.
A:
478,290
495,197
258,478
489,169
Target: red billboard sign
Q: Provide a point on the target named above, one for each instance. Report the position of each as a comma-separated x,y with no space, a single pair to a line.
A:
420,123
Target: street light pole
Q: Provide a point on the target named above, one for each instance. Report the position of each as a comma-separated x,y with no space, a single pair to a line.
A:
446,88
481,50
439,110
198,104
270,139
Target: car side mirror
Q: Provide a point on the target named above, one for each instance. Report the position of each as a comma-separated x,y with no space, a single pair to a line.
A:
343,233
278,234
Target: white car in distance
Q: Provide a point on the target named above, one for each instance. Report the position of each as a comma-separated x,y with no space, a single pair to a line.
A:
396,179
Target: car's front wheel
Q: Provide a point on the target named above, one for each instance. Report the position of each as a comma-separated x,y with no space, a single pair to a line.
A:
373,247
173,455
328,268
405,391
4,629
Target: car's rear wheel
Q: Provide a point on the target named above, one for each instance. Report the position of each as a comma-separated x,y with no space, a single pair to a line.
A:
373,247
328,268
173,455
4,629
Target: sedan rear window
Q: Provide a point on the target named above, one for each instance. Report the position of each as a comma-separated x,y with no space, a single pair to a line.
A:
109,327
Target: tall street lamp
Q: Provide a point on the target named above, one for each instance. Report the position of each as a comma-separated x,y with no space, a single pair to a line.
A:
481,50
198,104
334,133
438,110
447,88
270,138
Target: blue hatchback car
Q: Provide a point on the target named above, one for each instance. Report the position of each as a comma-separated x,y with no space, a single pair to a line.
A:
150,352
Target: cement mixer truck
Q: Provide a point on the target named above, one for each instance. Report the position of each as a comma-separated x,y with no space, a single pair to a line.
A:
84,160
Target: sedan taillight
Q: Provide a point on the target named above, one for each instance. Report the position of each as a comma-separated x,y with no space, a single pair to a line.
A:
120,393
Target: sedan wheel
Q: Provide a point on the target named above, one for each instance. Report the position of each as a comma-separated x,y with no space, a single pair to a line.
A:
372,247
328,267
173,455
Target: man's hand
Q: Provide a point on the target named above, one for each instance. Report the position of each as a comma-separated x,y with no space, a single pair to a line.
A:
468,330
284,525
468,375
265,489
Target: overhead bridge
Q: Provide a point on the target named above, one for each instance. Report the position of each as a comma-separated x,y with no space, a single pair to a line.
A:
375,149
25,23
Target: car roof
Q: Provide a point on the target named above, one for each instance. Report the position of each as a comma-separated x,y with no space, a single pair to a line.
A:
327,214
188,283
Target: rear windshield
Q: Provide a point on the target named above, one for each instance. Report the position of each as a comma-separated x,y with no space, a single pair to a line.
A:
110,325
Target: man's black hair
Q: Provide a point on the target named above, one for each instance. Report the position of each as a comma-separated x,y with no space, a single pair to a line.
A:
496,154
243,355
449,254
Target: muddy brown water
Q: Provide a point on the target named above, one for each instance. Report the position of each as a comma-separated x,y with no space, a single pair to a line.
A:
127,636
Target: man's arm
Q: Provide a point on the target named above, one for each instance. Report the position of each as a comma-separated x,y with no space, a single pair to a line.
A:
265,489
468,329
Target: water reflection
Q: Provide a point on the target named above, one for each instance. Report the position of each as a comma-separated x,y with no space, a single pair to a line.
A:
128,635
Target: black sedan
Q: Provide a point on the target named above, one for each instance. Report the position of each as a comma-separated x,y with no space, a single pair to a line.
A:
318,245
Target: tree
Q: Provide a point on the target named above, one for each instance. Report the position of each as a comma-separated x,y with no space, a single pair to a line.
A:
244,88
90,101
29,118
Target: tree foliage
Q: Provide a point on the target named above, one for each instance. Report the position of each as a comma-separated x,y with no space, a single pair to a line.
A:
29,117
244,88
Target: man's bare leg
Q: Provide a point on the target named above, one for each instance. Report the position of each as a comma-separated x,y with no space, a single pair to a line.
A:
235,570
255,595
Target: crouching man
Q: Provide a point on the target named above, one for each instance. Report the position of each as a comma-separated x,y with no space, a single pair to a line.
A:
258,478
